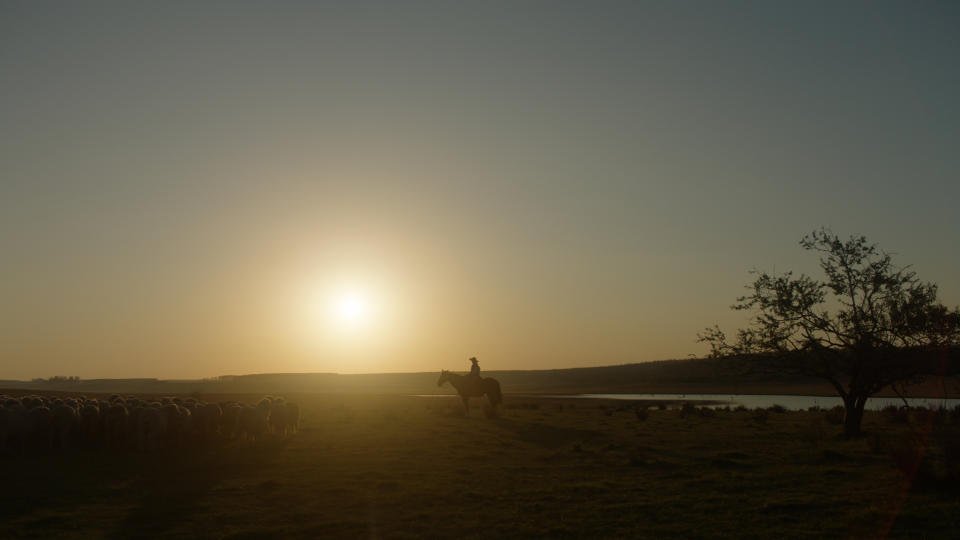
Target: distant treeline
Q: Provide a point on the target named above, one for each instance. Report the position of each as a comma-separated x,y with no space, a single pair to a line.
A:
689,376
57,379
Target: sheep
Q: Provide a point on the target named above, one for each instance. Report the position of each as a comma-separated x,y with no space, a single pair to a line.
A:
253,422
45,424
64,424
265,404
90,422
293,416
7,420
4,428
115,426
278,417
39,433
151,427
15,422
230,420
206,420
175,419
187,425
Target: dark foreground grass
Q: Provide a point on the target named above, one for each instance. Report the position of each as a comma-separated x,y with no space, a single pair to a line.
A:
402,467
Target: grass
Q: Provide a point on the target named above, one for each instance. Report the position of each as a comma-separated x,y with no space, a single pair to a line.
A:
404,467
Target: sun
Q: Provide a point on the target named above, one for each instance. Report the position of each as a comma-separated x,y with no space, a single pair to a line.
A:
351,308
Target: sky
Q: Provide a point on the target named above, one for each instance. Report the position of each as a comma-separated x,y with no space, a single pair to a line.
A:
194,189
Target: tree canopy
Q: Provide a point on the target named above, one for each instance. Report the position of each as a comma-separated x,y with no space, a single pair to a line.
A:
868,325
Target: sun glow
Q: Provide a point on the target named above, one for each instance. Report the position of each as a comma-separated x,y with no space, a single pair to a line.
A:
351,308
341,309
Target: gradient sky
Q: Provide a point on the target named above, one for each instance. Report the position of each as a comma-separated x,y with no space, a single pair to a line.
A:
183,186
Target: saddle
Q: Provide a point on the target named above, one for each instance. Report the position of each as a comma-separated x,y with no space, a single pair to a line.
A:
474,386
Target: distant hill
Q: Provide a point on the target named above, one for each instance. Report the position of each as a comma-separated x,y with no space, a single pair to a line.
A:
689,376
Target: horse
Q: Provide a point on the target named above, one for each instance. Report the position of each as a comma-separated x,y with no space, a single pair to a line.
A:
467,387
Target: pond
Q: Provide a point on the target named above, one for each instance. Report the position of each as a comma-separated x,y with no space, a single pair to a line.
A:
751,401
793,403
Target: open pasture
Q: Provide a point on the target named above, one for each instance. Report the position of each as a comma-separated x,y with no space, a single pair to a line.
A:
390,466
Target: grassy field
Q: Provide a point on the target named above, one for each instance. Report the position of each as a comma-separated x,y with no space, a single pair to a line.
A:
406,467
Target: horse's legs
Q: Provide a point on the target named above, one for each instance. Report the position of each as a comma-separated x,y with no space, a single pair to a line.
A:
466,404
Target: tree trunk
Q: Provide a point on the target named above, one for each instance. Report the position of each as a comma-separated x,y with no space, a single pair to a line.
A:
853,414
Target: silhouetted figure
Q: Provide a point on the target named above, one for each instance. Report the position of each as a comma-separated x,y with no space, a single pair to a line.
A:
474,367
474,379
473,386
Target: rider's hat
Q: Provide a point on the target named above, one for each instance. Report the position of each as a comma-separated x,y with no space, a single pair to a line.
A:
473,359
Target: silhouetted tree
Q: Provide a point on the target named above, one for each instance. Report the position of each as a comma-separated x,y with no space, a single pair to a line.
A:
59,379
867,326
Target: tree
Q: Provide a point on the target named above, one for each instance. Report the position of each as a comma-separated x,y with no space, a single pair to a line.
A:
869,325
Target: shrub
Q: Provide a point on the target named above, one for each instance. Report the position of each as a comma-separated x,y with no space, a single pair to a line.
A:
740,408
662,406
687,408
835,415
760,416
707,412
924,415
895,415
642,413
779,409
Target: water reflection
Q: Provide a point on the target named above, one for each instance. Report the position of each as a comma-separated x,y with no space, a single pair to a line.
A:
751,401
793,403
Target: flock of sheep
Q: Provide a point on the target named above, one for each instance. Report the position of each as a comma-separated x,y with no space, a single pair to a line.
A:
39,424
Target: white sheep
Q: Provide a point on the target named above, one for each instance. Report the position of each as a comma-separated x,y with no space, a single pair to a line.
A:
151,428
207,419
64,425
253,422
230,420
293,416
278,417
116,422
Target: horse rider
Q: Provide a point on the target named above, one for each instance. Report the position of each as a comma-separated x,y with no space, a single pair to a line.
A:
474,371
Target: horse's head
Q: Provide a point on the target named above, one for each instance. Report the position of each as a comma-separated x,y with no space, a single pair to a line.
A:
443,377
